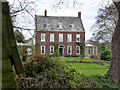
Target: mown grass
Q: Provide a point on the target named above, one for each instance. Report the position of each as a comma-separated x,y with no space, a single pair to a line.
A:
89,68
86,69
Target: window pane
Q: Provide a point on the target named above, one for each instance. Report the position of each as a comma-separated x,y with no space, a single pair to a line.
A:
42,37
60,37
78,37
69,37
42,49
69,50
51,37
94,50
78,49
51,49
47,27
89,51
60,27
72,26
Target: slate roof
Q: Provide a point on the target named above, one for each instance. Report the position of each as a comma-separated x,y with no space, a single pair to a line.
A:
51,23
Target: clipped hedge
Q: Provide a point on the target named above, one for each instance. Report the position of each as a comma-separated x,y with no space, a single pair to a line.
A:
71,55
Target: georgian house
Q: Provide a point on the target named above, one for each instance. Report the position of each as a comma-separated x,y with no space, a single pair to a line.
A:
63,30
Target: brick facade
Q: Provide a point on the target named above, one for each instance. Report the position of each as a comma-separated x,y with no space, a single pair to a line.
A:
65,43
59,25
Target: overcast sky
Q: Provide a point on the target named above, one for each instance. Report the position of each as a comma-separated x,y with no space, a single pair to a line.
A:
88,9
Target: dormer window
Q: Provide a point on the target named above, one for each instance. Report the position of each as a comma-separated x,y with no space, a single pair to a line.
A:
46,26
60,27
72,26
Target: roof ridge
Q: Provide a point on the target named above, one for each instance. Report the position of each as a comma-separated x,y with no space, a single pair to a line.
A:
57,16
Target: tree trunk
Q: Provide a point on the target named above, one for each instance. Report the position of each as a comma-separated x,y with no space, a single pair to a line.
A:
9,50
114,70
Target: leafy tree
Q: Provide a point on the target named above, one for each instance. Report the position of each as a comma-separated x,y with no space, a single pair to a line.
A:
19,36
105,24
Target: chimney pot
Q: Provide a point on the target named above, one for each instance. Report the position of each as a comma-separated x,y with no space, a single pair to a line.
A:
79,14
45,13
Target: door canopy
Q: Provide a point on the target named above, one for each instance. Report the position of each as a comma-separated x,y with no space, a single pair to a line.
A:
61,46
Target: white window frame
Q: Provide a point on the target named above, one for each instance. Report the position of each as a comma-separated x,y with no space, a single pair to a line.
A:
42,40
77,35
60,27
69,37
50,49
52,37
41,49
70,50
60,36
76,49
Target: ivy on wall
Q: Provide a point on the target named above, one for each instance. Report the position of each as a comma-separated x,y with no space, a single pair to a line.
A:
56,50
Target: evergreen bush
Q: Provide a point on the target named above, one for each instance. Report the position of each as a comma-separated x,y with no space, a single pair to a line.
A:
104,54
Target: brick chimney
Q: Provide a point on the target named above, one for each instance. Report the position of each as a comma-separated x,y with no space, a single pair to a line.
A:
45,13
79,14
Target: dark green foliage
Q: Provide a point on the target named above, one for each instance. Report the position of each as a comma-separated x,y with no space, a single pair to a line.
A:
102,48
104,54
71,55
101,81
109,58
36,50
56,53
19,36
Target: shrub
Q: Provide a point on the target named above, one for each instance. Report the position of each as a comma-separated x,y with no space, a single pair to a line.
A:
101,81
71,55
104,54
43,72
36,65
108,57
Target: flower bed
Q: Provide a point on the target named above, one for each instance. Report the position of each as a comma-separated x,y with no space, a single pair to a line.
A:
96,62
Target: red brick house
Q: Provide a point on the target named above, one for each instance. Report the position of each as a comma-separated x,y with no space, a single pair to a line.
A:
63,30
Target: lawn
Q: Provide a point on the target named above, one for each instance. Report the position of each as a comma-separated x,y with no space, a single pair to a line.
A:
86,68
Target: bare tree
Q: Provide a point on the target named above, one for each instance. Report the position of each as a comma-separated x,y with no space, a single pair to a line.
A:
105,24
23,13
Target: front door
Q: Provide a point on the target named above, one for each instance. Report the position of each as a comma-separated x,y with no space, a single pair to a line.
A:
60,51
